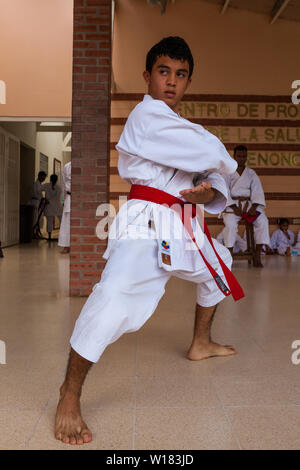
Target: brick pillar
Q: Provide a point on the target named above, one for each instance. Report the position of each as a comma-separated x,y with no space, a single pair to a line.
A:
90,139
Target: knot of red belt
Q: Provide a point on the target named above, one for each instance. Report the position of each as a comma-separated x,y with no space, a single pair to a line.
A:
147,193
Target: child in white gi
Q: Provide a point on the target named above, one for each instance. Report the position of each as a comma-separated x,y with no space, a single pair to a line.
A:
282,239
161,151
297,246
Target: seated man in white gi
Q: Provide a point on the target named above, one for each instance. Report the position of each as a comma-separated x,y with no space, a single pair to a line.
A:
160,154
246,199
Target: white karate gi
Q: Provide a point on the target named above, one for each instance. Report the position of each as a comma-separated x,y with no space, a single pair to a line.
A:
280,242
240,243
54,208
247,185
64,231
297,246
36,196
154,142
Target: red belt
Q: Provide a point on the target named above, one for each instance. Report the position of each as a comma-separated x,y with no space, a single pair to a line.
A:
147,193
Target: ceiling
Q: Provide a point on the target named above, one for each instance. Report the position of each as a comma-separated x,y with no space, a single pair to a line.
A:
275,9
286,9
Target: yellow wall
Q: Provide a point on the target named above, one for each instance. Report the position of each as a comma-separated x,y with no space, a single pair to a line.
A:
239,52
36,57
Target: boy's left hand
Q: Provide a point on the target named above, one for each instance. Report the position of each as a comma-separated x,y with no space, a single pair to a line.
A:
201,194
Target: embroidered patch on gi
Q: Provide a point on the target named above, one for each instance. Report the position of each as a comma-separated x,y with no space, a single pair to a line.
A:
166,259
165,245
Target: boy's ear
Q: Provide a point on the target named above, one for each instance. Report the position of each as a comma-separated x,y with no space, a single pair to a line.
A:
189,82
147,76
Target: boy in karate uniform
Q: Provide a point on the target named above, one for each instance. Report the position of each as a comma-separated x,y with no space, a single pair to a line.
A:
282,239
166,159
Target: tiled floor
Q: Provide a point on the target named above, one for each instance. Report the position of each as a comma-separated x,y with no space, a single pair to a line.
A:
143,393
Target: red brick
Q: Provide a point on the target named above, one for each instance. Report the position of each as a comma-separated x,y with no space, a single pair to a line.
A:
91,275
74,274
83,231
94,240
75,222
75,239
86,11
90,223
83,248
82,214
85,61
74,292
97,53
99,36
103,20
75,266
90,257
79,283
74,256
100,249
82,28
84,197
86,292
78,37
85,44
79,77
98,2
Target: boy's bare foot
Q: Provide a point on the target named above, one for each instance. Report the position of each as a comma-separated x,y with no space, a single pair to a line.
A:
69,425
197,352
65,250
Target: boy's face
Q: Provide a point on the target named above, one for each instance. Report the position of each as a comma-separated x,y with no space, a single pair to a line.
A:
241,157
284,227
168,80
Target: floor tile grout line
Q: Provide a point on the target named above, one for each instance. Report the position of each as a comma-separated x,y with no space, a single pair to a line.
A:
135,392
226,416
43,412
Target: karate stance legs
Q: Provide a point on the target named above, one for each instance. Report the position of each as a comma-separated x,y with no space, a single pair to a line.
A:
69,425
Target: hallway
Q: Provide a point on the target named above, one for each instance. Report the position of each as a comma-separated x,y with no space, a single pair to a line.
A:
143,393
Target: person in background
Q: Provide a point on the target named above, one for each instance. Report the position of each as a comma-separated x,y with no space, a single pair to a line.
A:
282,239
53,206
64,232
240,243
246,200
36,196
297,245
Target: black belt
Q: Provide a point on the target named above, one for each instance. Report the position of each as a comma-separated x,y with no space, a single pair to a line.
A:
68,192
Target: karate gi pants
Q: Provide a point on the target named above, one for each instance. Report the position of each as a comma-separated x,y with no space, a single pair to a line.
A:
260,226
64,231
131,286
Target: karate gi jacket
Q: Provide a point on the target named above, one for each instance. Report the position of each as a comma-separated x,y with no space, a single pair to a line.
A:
159,148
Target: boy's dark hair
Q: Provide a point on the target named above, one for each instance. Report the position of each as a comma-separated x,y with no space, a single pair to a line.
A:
173,47
283,220
241,148
42,173
53,178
